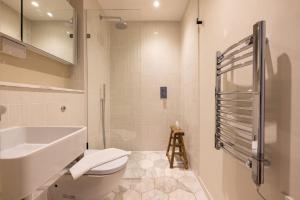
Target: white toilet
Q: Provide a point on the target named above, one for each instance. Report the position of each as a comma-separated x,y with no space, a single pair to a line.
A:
94,185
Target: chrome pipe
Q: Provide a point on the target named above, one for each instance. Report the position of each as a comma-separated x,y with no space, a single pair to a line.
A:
243,123
235,114
245,64
109,17
236,107
237,148
217,105
259,32
234,137
247,40
245,131
232,61
234,144
102,102
235,100
237,92
240,136
232,54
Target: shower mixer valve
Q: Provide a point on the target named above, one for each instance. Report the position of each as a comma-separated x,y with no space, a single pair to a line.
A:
2,110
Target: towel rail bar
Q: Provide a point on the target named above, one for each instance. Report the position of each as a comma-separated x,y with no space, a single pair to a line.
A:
238,135
237,92
246,55
234,53
246,40
235,114
243,131
236,147
235,107
243,160
233,137
245,64
243,123
235,100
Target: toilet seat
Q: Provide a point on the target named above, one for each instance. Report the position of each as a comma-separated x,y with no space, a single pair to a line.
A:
107,168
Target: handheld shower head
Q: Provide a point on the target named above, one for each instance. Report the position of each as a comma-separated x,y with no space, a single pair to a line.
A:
121,24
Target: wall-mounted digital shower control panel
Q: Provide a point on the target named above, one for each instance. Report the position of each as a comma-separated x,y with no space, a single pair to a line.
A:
163,92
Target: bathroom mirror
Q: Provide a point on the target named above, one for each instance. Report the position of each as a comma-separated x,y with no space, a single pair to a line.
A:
10,18
50,25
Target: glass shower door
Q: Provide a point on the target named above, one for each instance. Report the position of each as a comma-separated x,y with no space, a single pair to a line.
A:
114,67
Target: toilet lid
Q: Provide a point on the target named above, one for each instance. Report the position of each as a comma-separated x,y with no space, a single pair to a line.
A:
107,168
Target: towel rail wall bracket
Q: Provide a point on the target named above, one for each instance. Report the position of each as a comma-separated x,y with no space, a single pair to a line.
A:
240,114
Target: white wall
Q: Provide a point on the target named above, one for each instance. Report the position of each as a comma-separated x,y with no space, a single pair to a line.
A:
226,22
144,57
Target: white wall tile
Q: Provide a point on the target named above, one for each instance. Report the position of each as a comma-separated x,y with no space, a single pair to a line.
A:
40,108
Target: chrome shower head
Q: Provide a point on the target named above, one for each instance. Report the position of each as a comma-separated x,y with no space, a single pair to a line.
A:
121,24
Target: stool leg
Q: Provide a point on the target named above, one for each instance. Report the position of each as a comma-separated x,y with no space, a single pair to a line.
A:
184,153
173,151
170,140
180,147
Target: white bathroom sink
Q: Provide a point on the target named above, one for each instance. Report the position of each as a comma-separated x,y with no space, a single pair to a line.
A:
29,156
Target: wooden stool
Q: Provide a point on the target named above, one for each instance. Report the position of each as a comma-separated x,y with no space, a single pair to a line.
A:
176,140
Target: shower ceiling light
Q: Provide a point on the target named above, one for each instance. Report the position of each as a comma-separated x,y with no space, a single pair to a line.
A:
35,4
49,14
156,3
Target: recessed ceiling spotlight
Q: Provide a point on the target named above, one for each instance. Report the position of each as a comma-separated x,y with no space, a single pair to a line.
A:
49,14
155,33
35,4
156,3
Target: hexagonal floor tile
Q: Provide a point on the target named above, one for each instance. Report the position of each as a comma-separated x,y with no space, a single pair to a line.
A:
154,195
146,164
166,184
145,185
161,163
181,195
134,173
132,195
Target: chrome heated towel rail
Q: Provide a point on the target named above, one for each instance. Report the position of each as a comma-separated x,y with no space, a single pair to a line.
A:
240,113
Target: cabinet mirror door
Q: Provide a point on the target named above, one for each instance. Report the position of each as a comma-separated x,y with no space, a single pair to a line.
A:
50,25
10,18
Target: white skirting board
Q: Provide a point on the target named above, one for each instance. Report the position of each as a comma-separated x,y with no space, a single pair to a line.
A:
208,195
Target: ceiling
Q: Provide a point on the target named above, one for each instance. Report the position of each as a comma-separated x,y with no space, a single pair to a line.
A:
143,10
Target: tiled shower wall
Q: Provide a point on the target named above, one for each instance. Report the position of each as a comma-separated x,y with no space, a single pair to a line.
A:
40,108
144,57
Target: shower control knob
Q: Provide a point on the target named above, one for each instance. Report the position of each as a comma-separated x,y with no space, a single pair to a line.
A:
249,164
63,108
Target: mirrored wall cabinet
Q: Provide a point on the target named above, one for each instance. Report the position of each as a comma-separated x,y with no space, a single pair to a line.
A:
47,27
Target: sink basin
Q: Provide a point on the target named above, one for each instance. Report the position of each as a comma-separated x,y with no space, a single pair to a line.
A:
29,156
